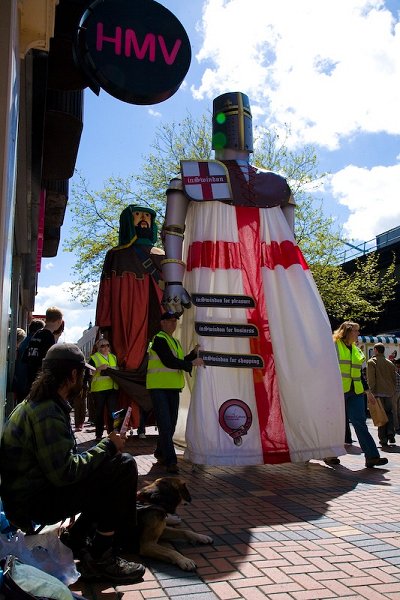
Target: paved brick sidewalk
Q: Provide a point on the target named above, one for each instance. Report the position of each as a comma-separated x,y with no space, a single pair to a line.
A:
287,532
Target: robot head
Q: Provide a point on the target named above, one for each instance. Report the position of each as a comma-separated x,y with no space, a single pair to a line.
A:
232,122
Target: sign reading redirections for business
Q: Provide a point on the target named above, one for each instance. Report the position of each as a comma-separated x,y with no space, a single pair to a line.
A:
136,50
226,329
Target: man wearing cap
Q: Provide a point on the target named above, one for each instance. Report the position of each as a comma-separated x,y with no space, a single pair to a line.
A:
44,479
165,380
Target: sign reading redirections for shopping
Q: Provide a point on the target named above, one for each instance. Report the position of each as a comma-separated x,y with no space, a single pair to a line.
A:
137,51
222,359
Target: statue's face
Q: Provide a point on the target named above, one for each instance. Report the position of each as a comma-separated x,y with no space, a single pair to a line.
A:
142,219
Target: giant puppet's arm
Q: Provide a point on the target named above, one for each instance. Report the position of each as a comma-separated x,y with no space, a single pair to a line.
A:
288,211
175,296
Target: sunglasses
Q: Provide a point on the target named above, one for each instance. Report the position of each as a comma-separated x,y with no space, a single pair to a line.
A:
104,345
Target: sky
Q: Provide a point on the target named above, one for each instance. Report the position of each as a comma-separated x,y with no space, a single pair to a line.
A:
329,69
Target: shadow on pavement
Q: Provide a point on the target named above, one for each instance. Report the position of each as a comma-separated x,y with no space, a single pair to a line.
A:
240,506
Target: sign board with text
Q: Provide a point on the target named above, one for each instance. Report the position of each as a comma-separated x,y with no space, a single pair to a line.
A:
137,51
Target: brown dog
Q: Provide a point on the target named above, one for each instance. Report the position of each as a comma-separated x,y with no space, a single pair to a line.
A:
159,498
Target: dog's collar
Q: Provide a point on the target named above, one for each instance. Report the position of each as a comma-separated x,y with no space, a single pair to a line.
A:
141,506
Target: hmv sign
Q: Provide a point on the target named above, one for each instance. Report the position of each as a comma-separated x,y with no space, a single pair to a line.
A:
136,50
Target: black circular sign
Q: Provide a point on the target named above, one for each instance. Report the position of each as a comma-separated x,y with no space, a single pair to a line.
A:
136,50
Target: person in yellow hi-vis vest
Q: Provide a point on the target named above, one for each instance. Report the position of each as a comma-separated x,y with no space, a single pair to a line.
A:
351,359
103,387
165,380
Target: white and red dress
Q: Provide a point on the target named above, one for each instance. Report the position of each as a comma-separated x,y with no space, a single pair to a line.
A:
290,409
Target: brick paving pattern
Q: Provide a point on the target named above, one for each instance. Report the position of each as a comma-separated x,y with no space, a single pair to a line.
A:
284,532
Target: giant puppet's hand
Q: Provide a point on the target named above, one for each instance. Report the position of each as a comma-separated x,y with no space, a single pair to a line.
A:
176,298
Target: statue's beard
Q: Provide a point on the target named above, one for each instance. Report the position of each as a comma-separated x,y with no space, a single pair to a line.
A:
144,232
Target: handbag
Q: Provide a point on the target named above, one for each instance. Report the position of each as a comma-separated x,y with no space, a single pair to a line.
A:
378,413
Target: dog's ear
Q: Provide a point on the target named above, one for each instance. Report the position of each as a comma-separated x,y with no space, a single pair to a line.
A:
169,495
184,492
162,492
167,492
146,494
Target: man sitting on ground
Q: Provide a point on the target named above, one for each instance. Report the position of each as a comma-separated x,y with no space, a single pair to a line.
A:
44,479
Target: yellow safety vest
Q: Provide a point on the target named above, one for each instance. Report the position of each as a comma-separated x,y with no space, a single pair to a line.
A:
158,375
103,382
350,363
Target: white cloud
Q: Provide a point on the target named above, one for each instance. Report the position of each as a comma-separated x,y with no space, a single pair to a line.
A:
76,316
48,266
329,69
154,113
372,197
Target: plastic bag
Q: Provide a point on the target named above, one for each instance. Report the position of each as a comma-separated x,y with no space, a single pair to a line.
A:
44,551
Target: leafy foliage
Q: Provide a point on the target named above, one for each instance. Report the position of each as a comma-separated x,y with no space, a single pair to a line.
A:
361,295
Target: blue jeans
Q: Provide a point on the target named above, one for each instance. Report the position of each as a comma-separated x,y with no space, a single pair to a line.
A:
166,406
355,408
143,415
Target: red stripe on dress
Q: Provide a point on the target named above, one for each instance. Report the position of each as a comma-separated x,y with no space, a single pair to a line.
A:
226,255
214,255
272,432
284,254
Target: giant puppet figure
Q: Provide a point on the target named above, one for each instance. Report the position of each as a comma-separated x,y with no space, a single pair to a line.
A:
129,300
271,390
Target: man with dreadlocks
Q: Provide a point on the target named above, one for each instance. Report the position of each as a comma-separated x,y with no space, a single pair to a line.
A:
44,479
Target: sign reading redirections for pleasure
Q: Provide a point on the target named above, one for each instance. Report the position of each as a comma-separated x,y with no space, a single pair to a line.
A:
136,50
223,300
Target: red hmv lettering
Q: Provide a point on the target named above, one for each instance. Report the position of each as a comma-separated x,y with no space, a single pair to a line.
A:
126,43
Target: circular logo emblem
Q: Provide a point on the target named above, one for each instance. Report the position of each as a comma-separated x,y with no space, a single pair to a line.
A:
235,419
137,51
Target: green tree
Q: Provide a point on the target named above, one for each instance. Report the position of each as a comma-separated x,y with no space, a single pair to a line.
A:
360,296
96,216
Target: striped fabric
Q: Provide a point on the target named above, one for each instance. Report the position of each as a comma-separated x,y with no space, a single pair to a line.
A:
369,339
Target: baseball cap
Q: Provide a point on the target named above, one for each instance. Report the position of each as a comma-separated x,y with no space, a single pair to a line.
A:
67,352
167,315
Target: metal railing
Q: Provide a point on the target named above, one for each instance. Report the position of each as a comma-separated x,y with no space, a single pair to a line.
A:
380,241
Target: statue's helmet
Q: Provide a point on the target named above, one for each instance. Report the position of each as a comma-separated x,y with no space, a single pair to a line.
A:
232,122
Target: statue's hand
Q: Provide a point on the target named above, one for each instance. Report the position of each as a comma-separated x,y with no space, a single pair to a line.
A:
176,298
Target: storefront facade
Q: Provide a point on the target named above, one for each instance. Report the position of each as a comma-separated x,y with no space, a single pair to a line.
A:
37,119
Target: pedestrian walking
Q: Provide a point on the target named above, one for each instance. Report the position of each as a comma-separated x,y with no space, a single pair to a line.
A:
351,359
381,375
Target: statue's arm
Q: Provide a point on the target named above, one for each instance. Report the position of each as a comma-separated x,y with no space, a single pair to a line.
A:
288,211
175,297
